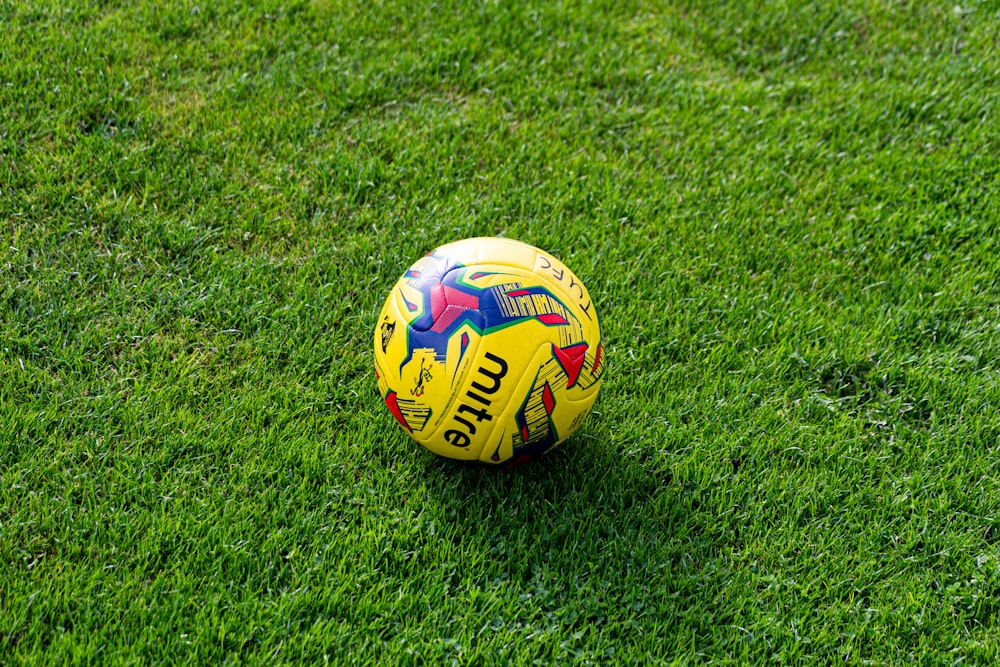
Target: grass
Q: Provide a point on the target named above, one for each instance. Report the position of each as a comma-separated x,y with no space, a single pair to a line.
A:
786,212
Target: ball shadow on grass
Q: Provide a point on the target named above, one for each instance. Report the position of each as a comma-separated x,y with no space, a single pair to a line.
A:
592,537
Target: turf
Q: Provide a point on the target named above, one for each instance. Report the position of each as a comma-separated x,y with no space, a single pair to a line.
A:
787,215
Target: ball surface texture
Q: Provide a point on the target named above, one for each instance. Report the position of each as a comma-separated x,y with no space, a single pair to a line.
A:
489,350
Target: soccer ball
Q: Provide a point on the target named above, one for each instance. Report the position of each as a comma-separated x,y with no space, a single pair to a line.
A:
489,350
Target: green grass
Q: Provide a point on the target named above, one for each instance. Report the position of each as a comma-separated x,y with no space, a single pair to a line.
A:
787,214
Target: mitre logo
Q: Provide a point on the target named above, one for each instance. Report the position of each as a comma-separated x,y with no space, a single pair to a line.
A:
477,401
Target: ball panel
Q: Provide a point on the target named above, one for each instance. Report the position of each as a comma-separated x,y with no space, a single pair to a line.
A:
489,250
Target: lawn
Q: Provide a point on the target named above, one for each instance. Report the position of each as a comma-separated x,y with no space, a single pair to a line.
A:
786,212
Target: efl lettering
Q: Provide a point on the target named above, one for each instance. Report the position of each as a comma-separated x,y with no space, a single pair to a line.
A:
561,276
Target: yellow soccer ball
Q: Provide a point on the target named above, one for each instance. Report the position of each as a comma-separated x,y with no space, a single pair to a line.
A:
489,350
